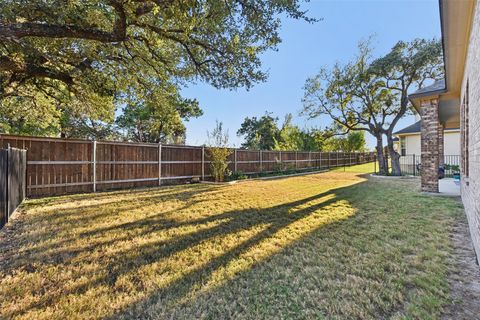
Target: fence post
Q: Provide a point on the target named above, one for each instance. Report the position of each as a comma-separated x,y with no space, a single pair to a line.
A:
159,163
414,165
296,160
309,159
235,160
94,165
203,163
281,162
261,161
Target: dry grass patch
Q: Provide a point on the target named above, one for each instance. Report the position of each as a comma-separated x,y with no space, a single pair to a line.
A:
330,245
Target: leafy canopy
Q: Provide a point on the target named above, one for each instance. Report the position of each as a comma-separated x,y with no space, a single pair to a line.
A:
260,133
156,117
84,55
265,134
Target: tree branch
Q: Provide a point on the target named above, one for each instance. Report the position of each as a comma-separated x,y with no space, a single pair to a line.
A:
16,31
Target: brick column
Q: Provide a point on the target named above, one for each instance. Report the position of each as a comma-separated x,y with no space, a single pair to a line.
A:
441,143
430,145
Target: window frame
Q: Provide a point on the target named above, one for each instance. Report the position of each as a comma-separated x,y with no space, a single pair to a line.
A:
403,146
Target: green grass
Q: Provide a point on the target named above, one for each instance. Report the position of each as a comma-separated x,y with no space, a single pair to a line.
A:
331,245
361,168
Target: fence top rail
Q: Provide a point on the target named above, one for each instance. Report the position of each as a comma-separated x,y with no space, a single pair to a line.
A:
13,148
155,145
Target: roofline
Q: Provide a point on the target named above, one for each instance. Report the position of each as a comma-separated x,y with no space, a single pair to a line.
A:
407,134
427,93
419,132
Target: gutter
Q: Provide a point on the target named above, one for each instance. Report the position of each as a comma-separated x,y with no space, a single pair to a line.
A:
442,30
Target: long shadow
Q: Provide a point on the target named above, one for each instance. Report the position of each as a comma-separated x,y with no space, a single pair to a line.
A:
156,194
77,216
123,262
180,288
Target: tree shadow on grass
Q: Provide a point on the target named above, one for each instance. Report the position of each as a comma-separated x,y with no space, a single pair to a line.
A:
268,224
40,228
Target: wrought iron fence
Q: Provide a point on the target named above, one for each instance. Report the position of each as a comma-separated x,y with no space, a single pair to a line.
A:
451,165
411,164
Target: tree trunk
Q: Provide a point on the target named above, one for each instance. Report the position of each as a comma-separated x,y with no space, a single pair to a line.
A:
394,156
382,168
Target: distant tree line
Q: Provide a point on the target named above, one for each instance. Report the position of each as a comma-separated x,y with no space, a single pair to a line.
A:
265,133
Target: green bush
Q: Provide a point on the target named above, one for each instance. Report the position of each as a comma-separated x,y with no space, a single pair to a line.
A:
219,162
237,176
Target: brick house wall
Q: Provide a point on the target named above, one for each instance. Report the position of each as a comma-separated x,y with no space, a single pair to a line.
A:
470,185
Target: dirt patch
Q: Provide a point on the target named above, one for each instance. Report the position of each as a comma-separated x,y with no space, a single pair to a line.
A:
465,283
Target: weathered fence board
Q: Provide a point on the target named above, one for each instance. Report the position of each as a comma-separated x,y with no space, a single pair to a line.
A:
59,166
13,164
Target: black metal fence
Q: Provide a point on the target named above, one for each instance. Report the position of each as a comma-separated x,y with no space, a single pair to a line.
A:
451,165
411,164
13,165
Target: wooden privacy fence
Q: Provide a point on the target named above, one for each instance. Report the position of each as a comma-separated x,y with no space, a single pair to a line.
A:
13,164
58,166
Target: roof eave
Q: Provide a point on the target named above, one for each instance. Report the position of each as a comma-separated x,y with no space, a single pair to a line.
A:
416,97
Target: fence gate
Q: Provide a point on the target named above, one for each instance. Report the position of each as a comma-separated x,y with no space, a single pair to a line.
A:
13,165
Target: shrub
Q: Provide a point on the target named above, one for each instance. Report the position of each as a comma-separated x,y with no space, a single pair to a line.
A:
238,176
218,152
218,162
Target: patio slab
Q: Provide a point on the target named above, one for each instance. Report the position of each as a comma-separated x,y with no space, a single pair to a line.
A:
449,187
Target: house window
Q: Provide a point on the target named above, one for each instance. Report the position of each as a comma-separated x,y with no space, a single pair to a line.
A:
465,132
403,146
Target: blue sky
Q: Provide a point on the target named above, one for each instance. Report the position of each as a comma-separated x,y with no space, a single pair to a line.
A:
304,49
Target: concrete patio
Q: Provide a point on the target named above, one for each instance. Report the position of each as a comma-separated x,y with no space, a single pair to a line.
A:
449,187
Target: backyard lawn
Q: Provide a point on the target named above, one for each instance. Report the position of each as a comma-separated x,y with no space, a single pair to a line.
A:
328,245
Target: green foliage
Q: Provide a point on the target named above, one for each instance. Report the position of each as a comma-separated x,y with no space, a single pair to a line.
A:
86,128
86,55
409,64
239,175
264,134
156,117
454,167
351,142
17,116
371,95
218,152
261,134
353,97
291,137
